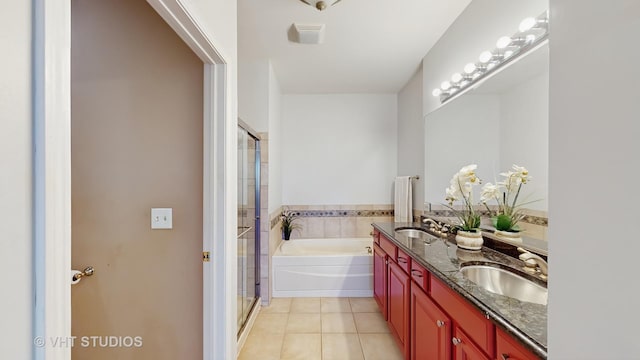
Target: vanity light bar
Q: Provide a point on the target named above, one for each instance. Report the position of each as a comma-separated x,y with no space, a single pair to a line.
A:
531,32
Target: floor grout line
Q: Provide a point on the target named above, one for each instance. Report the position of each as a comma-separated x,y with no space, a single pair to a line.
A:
321,331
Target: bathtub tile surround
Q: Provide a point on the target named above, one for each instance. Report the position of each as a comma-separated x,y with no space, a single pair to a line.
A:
316,221
338,221
319,332
269,241
274,236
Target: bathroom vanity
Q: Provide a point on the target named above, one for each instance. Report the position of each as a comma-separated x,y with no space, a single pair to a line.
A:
435,311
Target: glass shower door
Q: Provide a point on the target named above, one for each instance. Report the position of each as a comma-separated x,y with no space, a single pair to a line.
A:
248,220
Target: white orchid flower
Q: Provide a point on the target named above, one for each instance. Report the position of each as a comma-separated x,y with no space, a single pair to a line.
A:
453,194
468,173
511,182
522,173
489,192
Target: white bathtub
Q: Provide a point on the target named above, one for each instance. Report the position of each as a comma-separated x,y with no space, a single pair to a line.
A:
323,268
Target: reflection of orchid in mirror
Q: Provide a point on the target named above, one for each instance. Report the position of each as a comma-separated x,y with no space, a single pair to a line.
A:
461,187
506,194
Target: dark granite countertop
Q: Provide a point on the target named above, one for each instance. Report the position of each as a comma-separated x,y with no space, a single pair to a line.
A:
525,321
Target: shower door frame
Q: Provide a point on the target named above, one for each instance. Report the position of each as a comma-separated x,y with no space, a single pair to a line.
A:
258,183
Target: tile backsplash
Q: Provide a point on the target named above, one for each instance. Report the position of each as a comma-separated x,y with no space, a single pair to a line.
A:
534,224
337,221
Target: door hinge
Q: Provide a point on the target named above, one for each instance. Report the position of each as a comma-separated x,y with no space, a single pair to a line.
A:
205,256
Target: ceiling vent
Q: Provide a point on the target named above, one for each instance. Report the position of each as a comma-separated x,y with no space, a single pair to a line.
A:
308,33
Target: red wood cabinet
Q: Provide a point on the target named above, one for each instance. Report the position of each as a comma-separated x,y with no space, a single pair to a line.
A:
376,236
399,292
509,349
430,328
464,348
476,326
420,275
428,319
380,279
388,247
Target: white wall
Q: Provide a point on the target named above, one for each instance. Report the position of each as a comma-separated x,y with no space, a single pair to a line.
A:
477,29
260,106
219,20
15,181
594,147
253,93
411,142
463,132
339,149
524,137
275,139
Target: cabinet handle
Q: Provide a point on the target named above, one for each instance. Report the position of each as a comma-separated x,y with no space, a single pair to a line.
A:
402,260
371,233
386,262
416,273
440,323
505,356
456,341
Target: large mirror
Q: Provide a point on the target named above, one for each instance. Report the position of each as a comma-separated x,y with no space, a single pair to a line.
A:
503,120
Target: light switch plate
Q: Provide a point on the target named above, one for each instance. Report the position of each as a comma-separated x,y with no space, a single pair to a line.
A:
162,218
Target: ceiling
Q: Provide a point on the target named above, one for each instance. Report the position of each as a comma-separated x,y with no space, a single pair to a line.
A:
370,46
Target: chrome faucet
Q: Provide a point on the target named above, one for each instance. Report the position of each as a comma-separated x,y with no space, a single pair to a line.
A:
534,262
437,227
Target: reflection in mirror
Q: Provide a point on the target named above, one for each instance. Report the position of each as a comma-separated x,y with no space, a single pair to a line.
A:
502,121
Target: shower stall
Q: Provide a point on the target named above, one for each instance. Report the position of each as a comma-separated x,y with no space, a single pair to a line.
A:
248,222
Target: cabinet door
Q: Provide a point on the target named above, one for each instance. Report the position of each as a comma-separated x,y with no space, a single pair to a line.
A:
398,318
430,328
380,279
464,348
509,349
474,323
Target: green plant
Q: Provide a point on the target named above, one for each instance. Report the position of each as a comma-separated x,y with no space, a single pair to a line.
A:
288,218
461,186
506,193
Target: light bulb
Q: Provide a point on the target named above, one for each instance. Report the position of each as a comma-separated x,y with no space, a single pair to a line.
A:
530,38
485,57
527,24
436,92
508,53
445,85
503,42
456,77
490,66
470,68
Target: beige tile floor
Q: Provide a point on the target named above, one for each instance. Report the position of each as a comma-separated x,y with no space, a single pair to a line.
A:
320,329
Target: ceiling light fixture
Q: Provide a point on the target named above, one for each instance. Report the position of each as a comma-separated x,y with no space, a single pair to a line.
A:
532,31
321,5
